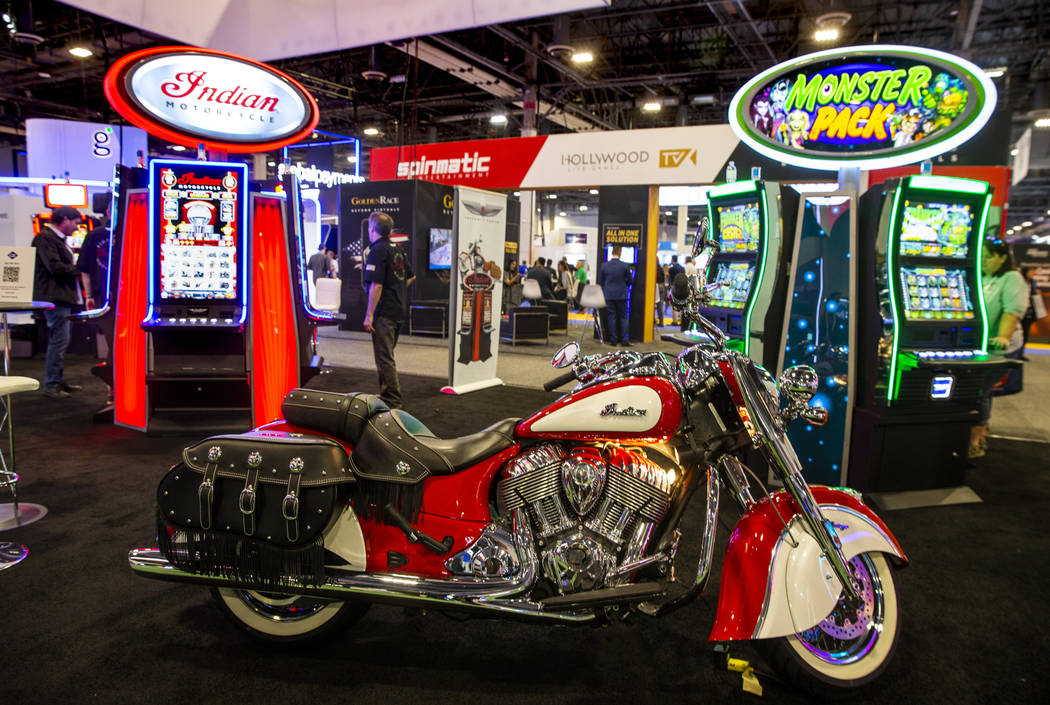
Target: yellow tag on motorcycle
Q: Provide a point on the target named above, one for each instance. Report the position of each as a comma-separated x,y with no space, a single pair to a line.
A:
738,665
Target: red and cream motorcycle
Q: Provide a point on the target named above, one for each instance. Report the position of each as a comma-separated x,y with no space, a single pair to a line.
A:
575,514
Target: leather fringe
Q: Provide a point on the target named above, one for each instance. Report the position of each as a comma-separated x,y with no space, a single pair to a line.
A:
241,558
370,496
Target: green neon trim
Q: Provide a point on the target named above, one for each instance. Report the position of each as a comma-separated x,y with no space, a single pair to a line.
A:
732,189
736,346
758,280
891,255
980,283
948,183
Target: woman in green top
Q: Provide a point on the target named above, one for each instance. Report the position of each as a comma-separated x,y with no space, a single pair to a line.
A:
1005,301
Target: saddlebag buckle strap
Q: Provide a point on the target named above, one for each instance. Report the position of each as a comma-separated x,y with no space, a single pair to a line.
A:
206,495
290,506
246,501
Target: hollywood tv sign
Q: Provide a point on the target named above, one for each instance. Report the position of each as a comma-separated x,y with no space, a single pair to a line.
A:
869,107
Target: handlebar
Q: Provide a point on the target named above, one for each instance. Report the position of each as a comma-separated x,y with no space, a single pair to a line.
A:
567,376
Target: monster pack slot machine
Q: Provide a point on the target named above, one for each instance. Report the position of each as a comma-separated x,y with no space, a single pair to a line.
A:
748,274
923,333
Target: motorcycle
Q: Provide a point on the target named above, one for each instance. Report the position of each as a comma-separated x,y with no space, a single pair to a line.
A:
573,515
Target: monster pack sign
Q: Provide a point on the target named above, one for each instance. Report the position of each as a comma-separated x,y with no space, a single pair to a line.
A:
867,107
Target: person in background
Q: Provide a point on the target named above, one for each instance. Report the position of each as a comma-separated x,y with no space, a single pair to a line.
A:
672,271
93,263
318,264
539,272
547,263
1005,298
581,279
56,280
661,293
615,280
332,264
511,285
1029,315
566,283
690,268
388,274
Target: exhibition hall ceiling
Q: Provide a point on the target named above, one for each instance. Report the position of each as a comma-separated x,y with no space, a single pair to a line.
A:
686,57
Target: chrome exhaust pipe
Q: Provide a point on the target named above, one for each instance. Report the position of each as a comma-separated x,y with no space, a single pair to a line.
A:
460,595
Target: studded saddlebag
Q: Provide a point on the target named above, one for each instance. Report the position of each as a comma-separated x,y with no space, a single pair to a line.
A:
252,505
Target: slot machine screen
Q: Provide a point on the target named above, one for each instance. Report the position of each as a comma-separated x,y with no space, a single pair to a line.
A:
440,248
733,283
935,229
198,220
936,294
738,227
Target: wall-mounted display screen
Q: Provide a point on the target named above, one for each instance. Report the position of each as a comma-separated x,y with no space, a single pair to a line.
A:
198,229
440,248
738,227
936,294
732,284
627,254
935,229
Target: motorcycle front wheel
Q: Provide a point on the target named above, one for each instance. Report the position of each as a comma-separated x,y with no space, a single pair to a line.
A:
285,618
853,645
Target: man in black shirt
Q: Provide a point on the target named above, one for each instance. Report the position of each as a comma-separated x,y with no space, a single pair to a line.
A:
387,274
539,272
56,281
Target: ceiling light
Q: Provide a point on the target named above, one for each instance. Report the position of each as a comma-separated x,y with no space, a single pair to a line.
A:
582,57
43,74
561,213
826,35
351,158
498,119
593,192
704,100
371,131
177,148
1013,152
397,78
651,107
995,71
1026,224
552,196
271,163
583,209
1043,122
667,213
81,52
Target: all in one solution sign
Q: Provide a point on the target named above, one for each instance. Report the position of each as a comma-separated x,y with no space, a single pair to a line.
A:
867,107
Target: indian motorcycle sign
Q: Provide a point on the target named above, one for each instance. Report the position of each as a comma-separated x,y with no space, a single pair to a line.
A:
190,95
866,107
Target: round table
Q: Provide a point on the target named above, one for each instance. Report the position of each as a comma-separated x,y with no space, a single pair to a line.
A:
14,514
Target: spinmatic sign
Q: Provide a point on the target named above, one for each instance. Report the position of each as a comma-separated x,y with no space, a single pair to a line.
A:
190,95
867,107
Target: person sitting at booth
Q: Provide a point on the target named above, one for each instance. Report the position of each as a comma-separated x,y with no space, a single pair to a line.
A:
1005,299
318,264
539,272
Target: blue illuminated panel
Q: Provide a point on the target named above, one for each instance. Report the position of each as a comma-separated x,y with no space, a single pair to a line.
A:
942,387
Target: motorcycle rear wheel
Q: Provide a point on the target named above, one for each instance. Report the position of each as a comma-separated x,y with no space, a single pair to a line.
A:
285,618
849,649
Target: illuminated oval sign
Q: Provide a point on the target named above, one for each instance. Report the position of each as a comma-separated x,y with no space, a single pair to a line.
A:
869,107
189,95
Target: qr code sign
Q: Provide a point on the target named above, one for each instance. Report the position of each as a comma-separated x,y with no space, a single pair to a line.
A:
10,274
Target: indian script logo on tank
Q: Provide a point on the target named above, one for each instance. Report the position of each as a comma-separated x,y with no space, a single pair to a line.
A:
198,95
869,106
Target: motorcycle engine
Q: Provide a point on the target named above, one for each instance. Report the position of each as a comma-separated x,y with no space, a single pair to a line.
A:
592,509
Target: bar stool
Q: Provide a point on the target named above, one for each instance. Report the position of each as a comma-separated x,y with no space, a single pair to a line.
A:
12,553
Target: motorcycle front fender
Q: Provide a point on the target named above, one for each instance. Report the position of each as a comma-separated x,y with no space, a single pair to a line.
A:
777,583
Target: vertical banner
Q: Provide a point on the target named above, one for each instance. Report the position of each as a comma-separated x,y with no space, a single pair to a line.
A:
476,289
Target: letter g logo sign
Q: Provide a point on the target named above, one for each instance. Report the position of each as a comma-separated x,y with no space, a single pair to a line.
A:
447,200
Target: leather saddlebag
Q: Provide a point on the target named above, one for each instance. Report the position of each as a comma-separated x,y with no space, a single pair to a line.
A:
252,506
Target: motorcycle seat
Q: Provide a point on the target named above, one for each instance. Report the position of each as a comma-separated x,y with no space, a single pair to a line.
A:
343,416
397,447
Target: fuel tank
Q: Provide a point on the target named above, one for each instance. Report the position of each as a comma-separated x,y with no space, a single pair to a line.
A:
641,409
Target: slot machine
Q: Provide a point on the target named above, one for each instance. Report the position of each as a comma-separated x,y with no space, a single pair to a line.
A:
922,332
748,275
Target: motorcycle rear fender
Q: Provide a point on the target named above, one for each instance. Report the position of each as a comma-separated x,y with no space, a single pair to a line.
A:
773,585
